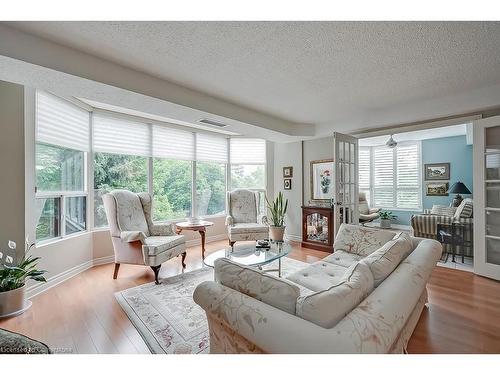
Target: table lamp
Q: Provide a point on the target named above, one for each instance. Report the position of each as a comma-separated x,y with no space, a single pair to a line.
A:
458,188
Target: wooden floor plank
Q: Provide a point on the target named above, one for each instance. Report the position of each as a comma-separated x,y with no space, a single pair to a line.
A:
82,314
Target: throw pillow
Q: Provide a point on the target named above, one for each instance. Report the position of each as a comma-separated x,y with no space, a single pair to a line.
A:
360,240
385,260
328,307
465,210
438,209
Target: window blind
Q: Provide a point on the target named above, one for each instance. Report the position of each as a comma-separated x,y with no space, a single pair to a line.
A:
211,148
61,123
171,143
383,179
248,151
364,168
119,136
408,176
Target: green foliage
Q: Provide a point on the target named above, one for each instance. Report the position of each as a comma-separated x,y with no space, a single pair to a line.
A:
13,277
277,210
248,176
387,215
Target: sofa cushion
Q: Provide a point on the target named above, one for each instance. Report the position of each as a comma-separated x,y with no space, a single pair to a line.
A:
158,244
342,258
318,276
243,228
438,209
129,212
326,308
260,285
360,240
385,260
465,210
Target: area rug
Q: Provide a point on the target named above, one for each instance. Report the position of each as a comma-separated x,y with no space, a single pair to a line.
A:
166,316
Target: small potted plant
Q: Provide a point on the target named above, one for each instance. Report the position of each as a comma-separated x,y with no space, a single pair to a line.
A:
278,210
386,218
13,280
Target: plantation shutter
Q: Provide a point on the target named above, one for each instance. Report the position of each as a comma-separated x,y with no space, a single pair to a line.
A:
364,160
248,151
211,148
61,123
171,143
120,136
383,177
408,176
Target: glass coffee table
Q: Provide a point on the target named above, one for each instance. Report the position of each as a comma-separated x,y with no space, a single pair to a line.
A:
252,256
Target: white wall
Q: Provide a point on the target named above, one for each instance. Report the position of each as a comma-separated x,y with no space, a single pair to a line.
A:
315,149
290,155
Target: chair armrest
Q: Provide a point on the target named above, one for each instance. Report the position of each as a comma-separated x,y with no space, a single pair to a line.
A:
132,236
374,210
262,219
167,229
428,223
229,221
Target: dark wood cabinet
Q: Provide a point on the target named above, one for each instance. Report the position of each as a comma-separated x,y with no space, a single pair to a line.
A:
317,228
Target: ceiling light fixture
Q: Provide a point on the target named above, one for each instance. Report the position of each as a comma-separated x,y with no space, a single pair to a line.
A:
391,143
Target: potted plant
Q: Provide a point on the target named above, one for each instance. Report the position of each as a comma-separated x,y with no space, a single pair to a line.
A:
13,280
386,218
278,210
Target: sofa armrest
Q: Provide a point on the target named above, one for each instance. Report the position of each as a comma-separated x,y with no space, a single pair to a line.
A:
229,221
167,229
374,210
132,236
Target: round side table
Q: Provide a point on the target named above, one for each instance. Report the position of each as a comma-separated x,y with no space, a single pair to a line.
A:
200,227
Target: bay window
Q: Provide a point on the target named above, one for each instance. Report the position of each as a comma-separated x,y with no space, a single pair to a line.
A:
62,144
390,177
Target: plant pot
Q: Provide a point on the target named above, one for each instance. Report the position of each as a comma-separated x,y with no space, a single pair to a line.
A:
12,302
385,223
276,233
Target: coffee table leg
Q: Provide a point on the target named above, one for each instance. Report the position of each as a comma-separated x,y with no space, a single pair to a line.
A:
279,267
202,234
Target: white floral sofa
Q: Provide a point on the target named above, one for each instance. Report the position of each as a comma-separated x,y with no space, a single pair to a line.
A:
366,297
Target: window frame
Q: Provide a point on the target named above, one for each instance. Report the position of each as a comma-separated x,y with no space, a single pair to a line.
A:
395,189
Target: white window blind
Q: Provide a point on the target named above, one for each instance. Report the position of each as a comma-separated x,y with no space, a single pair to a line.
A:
248,151
211,148
364,160
171,143
408,176
383,179
61,123
120,136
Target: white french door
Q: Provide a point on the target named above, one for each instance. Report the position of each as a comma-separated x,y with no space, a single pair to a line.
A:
346,180
486,146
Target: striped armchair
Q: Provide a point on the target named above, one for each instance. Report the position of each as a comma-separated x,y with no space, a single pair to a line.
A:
425,225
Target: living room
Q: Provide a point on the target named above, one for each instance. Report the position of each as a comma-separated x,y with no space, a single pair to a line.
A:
170,188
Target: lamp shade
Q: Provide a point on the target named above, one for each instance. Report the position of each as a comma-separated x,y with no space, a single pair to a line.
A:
459,188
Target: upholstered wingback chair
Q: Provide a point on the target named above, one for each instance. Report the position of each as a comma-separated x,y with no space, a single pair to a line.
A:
366,213
244,221
136,239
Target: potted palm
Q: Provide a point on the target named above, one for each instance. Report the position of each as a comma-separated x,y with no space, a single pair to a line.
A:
13,281
386,218
278,210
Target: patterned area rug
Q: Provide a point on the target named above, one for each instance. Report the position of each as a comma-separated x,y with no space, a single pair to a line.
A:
166,316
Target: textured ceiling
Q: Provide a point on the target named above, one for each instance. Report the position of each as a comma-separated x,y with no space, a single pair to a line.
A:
305,72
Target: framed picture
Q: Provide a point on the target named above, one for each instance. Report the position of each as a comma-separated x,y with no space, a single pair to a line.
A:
322,180
287,184
438,188
287,172
437,171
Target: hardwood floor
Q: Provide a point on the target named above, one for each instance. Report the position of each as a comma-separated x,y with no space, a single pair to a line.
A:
81,315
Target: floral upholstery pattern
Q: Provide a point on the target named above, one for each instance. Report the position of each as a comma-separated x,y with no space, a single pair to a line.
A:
327,307
342,258
318,276
381,323
360,240
243,206
260,285
154,229
159,244
129,212
385,260
244,222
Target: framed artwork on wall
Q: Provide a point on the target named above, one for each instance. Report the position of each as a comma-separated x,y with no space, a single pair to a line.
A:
287,172
438,188
287,184
437,171
321,180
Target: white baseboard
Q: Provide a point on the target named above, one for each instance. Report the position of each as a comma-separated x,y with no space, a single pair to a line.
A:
38,288
293,237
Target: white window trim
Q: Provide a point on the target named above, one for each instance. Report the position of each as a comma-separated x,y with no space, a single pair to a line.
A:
394,187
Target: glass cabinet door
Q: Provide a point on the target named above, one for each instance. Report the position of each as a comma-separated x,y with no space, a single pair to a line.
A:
317,228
